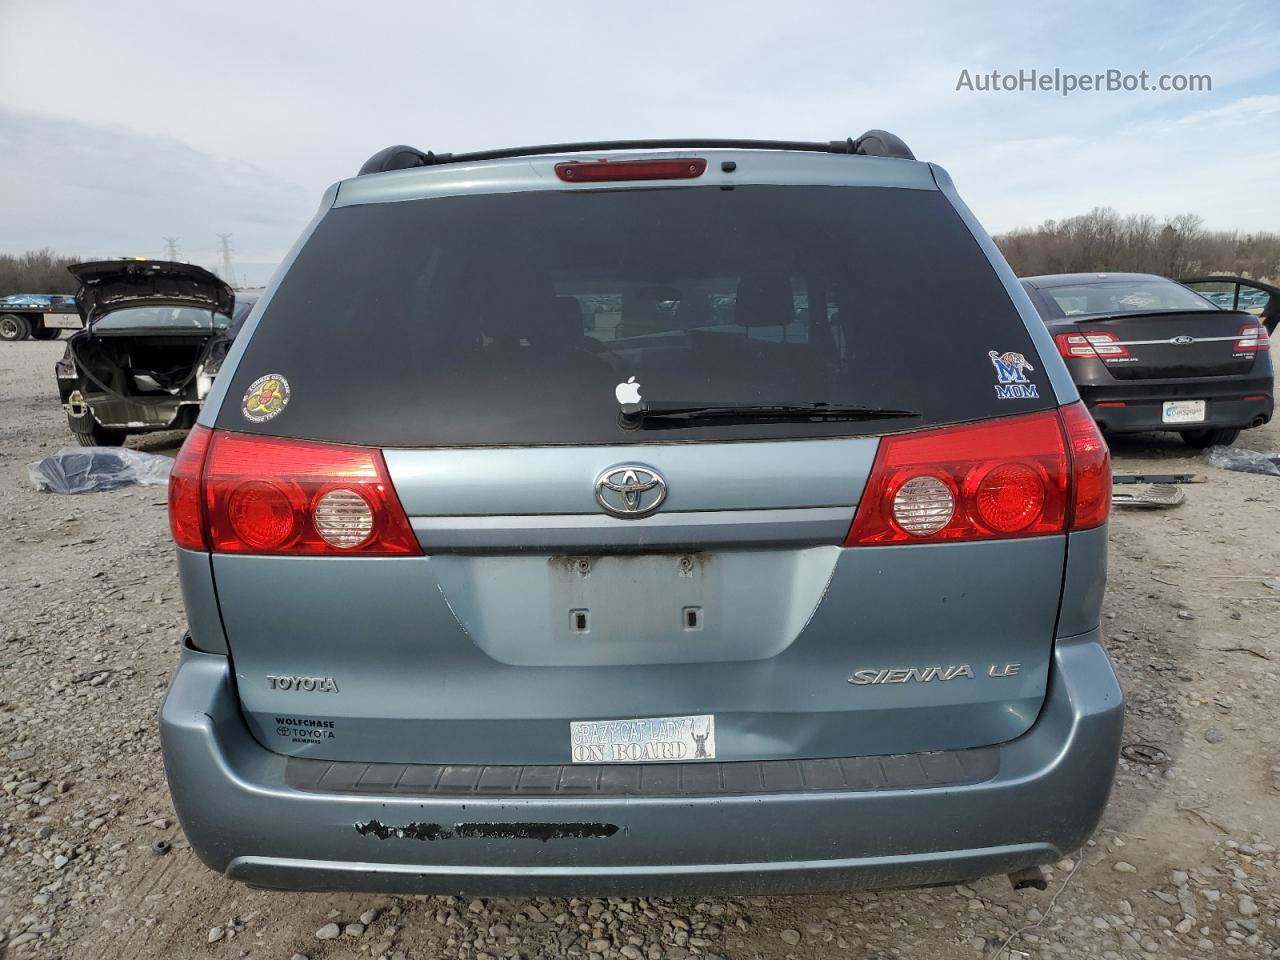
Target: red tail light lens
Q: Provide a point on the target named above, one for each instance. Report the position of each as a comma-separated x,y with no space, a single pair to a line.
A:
1007,478
1090,345
186,505
1253,338
235,493
260,515
599,171
1010,497
272,495
1090,468
1023,476
1074,346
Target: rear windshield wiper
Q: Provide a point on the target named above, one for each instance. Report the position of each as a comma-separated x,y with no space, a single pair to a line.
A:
635,415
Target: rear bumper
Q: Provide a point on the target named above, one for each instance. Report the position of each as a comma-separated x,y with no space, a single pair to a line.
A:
245,820
116,414
1134,406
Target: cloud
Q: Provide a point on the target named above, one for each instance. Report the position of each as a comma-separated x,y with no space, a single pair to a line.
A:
232,118
1239,112
109,191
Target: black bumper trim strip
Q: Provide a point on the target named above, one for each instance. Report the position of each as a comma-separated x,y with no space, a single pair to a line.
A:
843,774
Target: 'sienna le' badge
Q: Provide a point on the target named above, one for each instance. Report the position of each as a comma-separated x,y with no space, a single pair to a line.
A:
265,398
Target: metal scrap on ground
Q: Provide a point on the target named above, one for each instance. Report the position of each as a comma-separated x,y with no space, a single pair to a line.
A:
1151,496
1158,478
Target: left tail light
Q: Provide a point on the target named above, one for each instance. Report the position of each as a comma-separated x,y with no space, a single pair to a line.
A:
237,493
186,493
1090,345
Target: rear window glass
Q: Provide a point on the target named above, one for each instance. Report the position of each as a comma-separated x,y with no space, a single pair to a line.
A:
511,319
161,318
1125,296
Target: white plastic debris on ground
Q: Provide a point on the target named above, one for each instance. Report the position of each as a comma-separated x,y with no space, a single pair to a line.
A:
94,469
1245,461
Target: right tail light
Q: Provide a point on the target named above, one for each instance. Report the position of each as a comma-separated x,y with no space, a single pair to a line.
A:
1032,475
1253,338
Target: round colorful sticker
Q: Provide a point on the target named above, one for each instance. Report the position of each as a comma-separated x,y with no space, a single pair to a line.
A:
265,398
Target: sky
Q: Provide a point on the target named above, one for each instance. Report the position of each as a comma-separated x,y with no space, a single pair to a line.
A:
133,122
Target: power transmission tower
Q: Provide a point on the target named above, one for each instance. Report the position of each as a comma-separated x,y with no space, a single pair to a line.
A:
224,247
172,244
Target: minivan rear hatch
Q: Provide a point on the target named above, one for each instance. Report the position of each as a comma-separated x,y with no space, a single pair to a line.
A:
486,345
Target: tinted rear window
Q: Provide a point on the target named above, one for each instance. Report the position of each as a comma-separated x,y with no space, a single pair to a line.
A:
511,318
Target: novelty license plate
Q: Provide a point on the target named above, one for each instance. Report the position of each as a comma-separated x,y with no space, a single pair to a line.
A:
1183,411
655,740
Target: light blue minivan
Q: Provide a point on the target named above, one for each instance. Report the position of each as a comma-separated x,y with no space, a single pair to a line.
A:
649,517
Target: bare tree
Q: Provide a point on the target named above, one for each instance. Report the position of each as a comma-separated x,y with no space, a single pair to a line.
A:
36,271
1103,240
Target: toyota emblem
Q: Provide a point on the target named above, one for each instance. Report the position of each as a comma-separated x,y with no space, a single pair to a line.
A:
630,490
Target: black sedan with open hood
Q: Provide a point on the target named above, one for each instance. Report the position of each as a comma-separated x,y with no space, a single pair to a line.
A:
1149,354
155,334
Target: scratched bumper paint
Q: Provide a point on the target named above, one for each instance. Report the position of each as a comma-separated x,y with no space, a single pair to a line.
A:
488,831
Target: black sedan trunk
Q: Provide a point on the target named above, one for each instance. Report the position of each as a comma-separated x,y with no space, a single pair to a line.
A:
1165,345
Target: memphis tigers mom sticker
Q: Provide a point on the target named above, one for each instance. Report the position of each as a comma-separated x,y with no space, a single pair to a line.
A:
1011,376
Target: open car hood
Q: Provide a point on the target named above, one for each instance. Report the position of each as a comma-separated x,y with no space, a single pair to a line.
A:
107,285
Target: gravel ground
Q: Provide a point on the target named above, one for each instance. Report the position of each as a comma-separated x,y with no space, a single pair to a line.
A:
93,864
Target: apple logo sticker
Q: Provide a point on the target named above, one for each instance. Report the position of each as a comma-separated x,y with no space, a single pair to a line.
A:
628,392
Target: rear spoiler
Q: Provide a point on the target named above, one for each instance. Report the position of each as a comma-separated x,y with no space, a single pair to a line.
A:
873,143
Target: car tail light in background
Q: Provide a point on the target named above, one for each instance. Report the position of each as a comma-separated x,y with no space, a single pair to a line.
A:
238,493
1042,473
601,171
1253,338
1090,346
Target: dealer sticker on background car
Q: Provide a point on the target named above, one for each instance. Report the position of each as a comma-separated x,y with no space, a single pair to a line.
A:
1183,411
265,398
643,741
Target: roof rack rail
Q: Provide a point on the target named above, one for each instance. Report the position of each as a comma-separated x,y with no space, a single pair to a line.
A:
873,143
